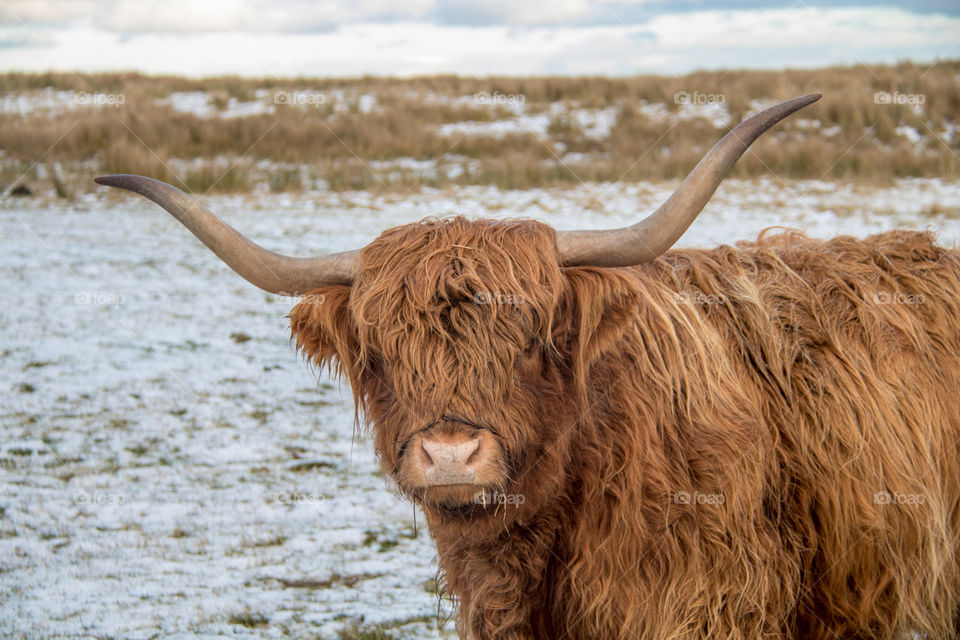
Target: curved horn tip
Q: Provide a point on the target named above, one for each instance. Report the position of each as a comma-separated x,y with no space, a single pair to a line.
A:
656,233
121,179
810,98
108,180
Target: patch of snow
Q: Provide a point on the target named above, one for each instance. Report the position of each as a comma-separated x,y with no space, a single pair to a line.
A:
238,109
52,102
410,164
366,102
715,112
200,104
595,123
536,124
949,132
576,157
911,134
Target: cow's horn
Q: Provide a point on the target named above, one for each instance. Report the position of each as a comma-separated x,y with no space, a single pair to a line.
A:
270,271
657,232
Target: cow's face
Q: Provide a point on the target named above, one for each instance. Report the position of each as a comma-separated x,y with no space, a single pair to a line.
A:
457,340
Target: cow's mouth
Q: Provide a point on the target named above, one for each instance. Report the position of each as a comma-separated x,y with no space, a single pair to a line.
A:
450,494
461,500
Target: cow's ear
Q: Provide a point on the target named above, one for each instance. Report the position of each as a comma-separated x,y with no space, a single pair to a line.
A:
601,304
324,331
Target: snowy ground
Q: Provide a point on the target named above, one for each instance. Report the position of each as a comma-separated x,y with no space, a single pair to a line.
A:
169,468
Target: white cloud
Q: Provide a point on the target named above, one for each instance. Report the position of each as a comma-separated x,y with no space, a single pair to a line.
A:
181,15
197,16
39,12
234,40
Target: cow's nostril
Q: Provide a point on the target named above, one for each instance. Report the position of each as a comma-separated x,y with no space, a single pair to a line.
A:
474,455
427,460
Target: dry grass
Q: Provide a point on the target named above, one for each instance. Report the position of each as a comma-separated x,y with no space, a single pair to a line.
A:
337,140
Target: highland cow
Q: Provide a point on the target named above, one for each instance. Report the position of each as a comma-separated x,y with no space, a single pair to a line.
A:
612,439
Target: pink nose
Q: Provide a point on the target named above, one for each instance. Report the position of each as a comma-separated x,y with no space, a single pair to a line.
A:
450,459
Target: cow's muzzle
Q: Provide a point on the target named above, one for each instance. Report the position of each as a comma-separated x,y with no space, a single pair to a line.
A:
451,453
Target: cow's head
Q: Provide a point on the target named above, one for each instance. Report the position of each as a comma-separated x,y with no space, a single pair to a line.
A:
455,335
468,343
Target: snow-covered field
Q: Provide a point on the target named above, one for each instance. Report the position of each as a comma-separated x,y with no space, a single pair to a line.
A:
168,466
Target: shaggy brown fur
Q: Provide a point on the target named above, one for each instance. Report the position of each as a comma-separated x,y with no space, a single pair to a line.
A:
750,442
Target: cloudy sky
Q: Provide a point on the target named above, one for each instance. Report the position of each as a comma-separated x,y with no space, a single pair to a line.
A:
480,37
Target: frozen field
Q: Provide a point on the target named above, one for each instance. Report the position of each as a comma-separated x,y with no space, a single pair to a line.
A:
168,466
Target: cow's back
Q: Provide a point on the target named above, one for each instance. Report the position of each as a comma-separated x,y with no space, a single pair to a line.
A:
854,348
